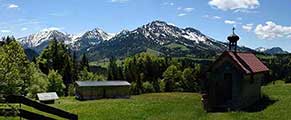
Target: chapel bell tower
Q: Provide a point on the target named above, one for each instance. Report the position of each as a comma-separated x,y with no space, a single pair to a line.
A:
232,45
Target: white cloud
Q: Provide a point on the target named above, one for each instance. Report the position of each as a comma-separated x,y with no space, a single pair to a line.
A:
23,29
168,3
13,6
188,9
182,14
119,1
216,17
230,22
234,4
212,17
52,28
5,31
245,11
271,30
184,11
248,27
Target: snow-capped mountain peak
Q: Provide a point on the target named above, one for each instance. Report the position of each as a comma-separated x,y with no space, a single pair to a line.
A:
156,33
261,49
40,40
43,37
274,50
159,30
98,34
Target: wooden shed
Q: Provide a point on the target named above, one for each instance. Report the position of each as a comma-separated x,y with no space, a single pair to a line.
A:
47,98
89,90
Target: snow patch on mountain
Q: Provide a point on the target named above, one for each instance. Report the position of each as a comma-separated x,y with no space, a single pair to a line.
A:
274,50
261,49
39,38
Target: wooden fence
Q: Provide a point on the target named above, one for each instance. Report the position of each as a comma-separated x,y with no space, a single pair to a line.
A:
39,106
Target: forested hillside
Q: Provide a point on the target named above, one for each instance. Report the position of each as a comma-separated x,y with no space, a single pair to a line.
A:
57,67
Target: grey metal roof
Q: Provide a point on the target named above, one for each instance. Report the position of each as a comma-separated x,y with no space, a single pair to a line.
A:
102,83
47,96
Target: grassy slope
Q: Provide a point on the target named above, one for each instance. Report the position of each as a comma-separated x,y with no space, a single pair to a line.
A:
174,106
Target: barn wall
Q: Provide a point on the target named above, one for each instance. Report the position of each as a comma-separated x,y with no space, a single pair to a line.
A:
113,92
90,92
97,92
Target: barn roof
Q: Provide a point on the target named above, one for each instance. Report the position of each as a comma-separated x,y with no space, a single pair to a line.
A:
248,62
47,96
102,83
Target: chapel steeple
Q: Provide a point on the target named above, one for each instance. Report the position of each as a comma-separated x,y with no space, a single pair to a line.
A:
232,45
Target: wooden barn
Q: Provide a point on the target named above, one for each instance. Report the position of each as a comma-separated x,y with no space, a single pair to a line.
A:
89,90
234,79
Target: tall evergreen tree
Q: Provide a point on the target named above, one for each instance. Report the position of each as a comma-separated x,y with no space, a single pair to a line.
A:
75,71
113,70
57,57
85,63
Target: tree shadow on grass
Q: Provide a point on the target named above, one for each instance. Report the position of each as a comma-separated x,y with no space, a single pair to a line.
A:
260,105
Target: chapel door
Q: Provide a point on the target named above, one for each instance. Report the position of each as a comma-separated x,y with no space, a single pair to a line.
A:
228,86
224,89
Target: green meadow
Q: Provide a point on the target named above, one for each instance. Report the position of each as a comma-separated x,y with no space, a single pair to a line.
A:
173,106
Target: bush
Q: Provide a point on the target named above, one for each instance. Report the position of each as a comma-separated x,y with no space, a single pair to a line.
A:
190,82
148,87
71,90
55,83
85,75
38,81
162,85
132,88
172,76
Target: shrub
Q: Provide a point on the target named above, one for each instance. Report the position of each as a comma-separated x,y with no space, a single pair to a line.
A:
71,90
85,75
55,83
162,85
190,82
38,84
171,76
148,87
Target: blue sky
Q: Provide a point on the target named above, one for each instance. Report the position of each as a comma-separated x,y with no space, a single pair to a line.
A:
259,23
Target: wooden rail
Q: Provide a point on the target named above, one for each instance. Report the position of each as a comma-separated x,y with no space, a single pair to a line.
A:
39,106
24,114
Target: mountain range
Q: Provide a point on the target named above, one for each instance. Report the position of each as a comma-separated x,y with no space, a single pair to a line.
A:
157,37
271,51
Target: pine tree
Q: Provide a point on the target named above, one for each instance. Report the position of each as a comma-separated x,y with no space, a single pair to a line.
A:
85,63
75,71
57,57
113,70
